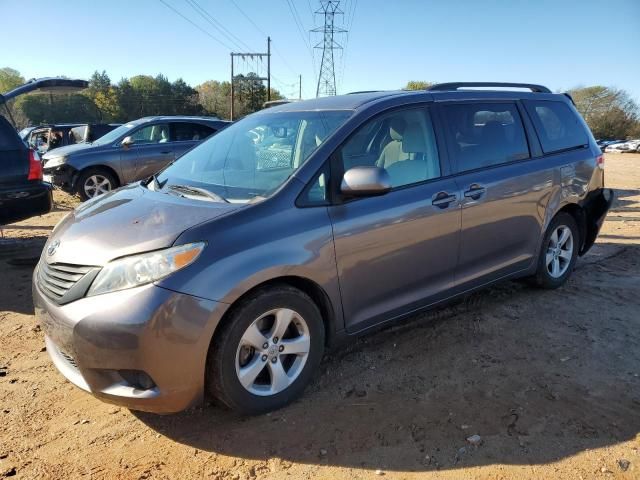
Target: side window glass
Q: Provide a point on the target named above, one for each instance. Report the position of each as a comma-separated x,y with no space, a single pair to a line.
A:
158,133
403,143
316,193
186,132
558,127
485,134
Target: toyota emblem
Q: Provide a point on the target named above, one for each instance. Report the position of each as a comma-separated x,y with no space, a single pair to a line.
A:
53,247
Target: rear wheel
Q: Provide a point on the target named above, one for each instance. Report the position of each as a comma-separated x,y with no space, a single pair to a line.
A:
559,252
267,351
94,182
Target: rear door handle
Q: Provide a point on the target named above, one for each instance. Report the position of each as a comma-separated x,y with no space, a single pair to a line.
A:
443,199
167,152
475,191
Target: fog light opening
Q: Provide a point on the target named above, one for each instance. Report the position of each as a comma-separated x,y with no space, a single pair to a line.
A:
137,379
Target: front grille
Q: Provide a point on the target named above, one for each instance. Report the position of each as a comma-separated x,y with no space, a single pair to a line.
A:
56,279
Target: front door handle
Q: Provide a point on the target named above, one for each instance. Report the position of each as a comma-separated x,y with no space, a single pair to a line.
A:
443,199
475,191
167,152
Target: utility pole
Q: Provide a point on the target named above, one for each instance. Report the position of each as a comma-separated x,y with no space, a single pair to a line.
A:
267,78
299,87
327,77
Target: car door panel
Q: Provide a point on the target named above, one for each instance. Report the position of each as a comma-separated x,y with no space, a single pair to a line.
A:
501,228
395,253
152,158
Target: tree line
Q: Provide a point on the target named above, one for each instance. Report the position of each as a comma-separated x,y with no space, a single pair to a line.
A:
135,97
610,112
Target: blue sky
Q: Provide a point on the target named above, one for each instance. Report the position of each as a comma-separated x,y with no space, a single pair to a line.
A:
561,43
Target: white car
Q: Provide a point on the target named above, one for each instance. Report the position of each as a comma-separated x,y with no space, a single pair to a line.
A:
630,146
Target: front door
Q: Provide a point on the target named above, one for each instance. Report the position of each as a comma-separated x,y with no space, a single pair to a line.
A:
396,252
151,151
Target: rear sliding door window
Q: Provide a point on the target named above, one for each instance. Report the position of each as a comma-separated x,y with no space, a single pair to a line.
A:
558,127
485,134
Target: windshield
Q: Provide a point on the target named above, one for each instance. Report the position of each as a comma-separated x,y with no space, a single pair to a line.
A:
113,135
254,156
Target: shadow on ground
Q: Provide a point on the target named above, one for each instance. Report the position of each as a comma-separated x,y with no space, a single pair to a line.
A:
539,375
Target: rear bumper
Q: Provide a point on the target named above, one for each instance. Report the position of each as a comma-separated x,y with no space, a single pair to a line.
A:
144,348
26,200
596,208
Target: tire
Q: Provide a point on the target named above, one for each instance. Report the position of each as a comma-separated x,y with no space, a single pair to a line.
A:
555,263
236,353
95,181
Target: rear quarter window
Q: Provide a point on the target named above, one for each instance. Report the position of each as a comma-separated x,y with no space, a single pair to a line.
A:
557,125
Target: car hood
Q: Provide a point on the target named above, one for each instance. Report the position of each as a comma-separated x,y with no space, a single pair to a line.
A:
68,150
126,221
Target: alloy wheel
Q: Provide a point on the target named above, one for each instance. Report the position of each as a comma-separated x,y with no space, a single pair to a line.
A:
273,352
559,251
96,185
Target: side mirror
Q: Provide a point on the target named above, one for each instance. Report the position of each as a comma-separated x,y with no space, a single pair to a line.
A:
365,181
127,142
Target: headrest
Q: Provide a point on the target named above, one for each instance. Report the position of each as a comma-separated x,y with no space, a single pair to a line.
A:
396,128
493,132
413,141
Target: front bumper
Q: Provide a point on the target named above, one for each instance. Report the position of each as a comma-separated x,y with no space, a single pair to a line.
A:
103,344
61,176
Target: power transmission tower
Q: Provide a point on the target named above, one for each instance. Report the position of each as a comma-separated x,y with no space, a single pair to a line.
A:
327,77
267,78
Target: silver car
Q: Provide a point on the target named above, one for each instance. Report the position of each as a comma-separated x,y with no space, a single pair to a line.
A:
131,152
230,271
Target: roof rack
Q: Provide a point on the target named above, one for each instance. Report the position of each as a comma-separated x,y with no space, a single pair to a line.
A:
458,85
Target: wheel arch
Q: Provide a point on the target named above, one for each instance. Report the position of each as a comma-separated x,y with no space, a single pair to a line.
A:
579,215
307,286
97,166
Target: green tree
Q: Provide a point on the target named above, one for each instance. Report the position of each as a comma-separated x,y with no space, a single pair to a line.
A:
9,79
417,85
609,112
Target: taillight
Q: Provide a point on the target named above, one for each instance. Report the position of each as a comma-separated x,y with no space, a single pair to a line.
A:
600,161
35,166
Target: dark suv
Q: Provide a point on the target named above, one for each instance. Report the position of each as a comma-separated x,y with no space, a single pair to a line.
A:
23,193
131,152
303,224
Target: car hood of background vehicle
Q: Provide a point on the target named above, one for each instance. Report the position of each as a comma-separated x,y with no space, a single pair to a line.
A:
127,221
68,150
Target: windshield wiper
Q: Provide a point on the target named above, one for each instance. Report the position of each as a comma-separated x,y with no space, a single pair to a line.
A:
202,192
153,178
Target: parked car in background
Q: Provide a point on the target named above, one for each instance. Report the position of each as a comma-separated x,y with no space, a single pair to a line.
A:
23,193
623,147
230,271
48,137
131,152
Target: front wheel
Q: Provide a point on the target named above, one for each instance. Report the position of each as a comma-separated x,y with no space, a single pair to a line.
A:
95,181
267,350
559,252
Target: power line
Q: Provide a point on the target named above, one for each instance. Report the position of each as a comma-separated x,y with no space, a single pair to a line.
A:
196,25
217,25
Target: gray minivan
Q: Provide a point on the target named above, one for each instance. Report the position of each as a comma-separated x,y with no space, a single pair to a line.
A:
131,152
231,270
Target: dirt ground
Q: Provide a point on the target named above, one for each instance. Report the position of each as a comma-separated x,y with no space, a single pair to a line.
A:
550,380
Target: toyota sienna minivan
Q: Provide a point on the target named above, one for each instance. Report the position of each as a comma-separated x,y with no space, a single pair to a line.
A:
230,271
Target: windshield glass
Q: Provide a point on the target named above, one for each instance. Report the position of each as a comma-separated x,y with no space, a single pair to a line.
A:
254,156
113,135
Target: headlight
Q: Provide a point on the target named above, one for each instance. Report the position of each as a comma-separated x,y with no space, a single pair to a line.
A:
54,162
135,270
